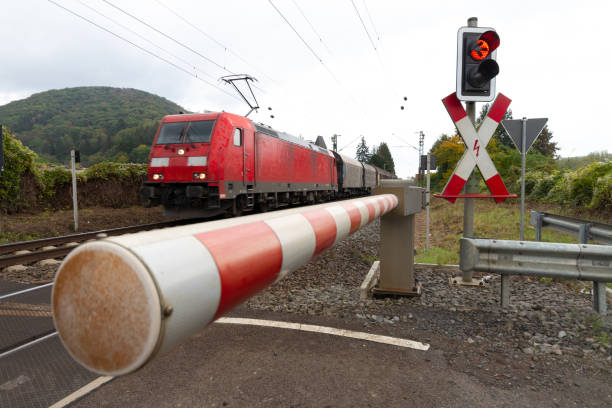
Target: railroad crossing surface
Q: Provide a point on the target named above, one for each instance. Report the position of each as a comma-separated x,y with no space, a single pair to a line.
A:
236,365
263,366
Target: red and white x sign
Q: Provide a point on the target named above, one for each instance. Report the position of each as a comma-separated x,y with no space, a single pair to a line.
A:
475,153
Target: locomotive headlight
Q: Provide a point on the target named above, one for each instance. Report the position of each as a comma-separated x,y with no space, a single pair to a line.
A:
199,176
181,152
157,176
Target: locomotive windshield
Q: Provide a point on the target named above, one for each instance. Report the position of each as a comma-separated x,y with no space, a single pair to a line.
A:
186,132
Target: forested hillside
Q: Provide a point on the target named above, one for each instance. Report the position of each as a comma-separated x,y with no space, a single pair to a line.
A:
104,123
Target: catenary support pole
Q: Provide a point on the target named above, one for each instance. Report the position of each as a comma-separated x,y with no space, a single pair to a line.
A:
75,205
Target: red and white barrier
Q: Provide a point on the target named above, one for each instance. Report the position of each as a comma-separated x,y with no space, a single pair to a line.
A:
120,301
476,142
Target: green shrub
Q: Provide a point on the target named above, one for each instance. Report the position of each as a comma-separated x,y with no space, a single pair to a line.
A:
583,182
120,171
602,194
52,178
559,193
544,183
19,171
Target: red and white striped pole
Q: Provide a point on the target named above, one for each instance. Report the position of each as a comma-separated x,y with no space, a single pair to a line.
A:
119,301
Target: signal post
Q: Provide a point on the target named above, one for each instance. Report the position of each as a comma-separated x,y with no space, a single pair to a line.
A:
476,71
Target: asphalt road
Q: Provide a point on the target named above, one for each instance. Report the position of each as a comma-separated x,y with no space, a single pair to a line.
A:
246,366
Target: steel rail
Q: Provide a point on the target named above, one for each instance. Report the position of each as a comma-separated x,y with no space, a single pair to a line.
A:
84,236
59,252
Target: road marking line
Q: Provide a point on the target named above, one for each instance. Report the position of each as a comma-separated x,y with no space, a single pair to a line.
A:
98,382
395,341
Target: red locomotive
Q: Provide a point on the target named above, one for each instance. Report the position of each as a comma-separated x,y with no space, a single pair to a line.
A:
207,164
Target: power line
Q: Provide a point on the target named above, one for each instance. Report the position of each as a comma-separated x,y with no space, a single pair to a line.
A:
371,21
314,53
144,39
350,143
364,26
142,49
310,24
168,37
214,40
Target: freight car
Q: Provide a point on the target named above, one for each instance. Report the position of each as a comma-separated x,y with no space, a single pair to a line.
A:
203,165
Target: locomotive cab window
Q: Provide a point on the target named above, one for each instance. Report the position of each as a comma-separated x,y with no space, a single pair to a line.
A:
171,133
237,137
198,131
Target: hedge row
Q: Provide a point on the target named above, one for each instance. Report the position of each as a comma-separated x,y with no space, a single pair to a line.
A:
25,185
590,186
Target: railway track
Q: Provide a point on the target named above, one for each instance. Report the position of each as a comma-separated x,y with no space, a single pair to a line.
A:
26,252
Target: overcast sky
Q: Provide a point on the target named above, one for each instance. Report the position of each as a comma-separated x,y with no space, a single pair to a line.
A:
554,61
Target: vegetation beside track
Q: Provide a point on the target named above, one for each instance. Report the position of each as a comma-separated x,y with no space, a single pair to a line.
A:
501,221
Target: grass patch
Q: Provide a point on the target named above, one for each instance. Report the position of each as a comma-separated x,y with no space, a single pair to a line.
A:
9,237
438,256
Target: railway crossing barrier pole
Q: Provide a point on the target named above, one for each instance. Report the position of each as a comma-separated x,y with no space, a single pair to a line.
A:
543,259
120,301
397,235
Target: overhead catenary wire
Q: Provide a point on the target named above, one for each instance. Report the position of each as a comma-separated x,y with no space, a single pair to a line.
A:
143,49
350,143
364,26
371,21
310,24
184,61
168,37
314,54
211,38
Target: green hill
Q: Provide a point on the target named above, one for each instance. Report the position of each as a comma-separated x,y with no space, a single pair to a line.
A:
104,123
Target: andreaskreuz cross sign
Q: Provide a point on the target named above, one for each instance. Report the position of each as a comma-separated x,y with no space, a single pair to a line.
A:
475,153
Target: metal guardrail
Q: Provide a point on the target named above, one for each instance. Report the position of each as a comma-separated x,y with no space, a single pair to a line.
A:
544,259
584,229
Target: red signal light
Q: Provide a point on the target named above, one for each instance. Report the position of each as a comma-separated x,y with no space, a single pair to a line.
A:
491,38
481,51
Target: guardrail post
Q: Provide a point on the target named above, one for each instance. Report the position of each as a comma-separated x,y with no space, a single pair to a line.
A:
538,224
583,234
505,290
397,239
599,298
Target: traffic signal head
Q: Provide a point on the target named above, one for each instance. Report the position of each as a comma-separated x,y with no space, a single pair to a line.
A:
476,65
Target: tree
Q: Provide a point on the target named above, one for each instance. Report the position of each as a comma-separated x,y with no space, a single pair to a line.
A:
381,157
362,154
500,132
543,144
448,151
